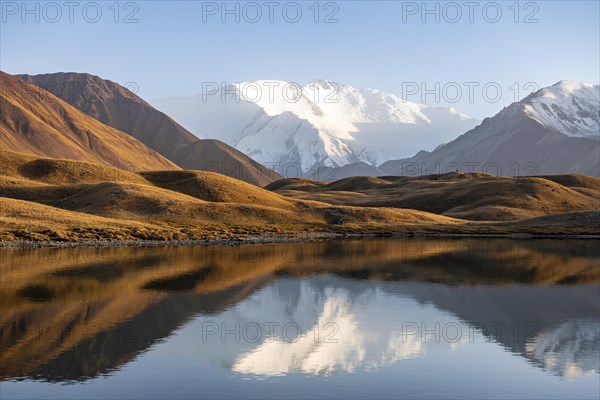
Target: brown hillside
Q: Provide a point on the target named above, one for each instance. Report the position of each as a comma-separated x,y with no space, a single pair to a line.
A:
467,196
34,121
210,186
216,156
43,199
17,167
30,220
588,185
303,184
170,204
120,108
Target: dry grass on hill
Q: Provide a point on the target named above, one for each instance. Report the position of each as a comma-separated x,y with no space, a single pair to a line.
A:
116,106
44,199
62,199
477,197
35,121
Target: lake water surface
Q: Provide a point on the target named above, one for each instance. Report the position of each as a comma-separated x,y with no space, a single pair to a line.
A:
368,318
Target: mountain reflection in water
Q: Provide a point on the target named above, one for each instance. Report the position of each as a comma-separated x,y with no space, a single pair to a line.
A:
74,314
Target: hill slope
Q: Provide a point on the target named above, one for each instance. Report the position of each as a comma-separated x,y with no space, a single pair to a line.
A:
120,108
34,121
42,199
553,131
165,205
467,196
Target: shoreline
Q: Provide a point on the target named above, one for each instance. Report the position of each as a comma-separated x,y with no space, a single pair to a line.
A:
258,240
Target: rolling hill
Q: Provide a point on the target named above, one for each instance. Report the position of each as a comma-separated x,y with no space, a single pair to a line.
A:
34,121
165,205
474,196
120,108
51,199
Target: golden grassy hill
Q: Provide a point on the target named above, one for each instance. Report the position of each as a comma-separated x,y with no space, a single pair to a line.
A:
588,185
118,107
27,220
171,204
210,186
35,121
32,169
42,199
477,197
215,156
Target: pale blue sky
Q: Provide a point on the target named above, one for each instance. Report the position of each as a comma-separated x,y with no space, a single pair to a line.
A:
384,45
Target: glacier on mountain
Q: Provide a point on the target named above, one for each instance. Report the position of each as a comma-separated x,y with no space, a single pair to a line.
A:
319,124
568,107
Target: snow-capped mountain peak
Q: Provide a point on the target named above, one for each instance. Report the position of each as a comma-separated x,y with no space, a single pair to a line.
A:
552,131
568,107
322,122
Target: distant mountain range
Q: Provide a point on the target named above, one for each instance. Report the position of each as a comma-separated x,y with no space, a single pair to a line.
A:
323,130
555,130
119,108
328,130
320,124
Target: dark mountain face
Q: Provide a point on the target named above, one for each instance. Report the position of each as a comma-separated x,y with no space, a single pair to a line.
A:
512,143
116,106
34,121
120,108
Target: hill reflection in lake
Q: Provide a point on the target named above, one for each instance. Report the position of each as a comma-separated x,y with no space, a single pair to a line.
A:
329,310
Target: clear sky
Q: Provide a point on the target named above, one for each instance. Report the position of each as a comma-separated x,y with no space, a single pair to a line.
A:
171,48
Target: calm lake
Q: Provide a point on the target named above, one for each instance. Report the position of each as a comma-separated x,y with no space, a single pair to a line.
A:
368,318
